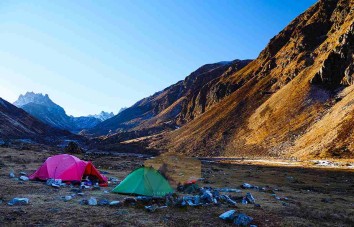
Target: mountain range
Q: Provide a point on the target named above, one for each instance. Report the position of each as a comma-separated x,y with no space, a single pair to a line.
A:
17,124
44,109
294,100
175,105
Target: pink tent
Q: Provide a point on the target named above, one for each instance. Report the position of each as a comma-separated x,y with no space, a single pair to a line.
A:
67,168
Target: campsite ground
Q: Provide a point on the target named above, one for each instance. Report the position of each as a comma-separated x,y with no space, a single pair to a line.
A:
315,196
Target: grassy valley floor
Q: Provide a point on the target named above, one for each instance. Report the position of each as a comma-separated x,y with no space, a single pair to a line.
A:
314,196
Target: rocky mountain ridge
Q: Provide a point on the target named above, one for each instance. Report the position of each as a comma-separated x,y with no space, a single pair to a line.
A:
173,106
15,123
294,100
44,109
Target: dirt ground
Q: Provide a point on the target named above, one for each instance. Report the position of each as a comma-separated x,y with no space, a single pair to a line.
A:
315,196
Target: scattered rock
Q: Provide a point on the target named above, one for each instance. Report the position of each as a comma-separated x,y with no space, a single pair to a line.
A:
243,220
84,202
18,201
115,203
151,208
23,173
12,175
56,183
244,201
24,178
250,198
229,190
92,201
207,196
114,180
246,185
103,202
68,198
228,215
229,200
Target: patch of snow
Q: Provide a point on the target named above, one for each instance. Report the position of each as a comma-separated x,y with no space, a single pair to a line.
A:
103,115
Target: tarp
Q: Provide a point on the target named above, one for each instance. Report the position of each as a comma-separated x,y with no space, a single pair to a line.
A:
144,181
67,168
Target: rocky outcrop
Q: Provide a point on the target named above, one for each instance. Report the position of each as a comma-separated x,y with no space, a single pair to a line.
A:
175,105
286,102
338,68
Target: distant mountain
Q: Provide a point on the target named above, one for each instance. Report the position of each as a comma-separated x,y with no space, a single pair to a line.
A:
102,116
44,109
121,109
31,97
174,106
15,123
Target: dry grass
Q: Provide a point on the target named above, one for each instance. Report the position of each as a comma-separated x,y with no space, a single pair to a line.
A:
304,187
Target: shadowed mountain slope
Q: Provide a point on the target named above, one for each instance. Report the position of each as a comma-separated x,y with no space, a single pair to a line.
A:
15,123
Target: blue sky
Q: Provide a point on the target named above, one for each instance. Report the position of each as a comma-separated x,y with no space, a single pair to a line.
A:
103,55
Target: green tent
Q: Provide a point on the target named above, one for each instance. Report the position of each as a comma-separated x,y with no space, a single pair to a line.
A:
144,181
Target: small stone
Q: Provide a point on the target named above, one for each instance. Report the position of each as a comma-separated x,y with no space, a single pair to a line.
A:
92,201
84,202
23,173
243,220
24,178
115,203
18,201
81,194
244,201
55,185
103,202
68,198
12,175
228,215
250,198
246,185
151,208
